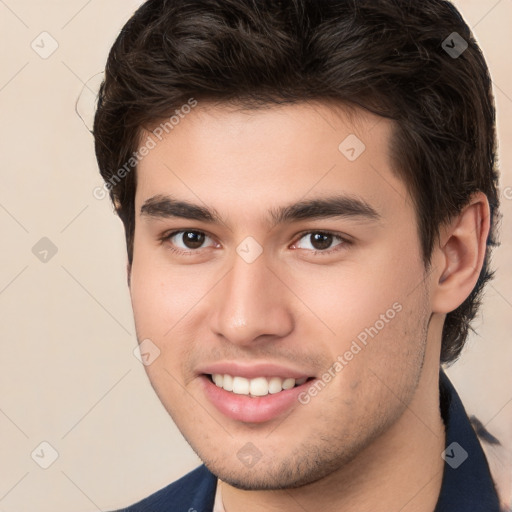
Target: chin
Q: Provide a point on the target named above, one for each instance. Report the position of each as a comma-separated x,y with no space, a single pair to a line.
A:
274,475
263,481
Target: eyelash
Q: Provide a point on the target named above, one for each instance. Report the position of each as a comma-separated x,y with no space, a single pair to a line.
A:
344,241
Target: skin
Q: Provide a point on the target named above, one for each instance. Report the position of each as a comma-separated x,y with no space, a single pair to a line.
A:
372,438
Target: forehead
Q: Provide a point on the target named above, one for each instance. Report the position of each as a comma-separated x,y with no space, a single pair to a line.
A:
244,162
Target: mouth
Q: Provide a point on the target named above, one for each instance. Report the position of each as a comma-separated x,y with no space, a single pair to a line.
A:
255,387
254,399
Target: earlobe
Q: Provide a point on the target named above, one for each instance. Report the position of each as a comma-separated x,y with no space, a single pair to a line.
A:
460,254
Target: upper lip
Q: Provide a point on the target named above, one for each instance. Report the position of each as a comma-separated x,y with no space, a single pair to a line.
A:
252,370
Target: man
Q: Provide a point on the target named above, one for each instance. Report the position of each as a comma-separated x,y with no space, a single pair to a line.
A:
309,194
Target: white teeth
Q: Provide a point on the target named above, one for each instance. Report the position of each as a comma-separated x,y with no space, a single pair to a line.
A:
240,386
227,383
288,383
275,385
260,386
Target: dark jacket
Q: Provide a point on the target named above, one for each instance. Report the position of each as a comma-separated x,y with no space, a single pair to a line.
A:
467,485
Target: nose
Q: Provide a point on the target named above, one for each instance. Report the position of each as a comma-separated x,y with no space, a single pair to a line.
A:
251,304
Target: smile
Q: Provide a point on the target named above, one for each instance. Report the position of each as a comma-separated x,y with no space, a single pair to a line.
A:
259,386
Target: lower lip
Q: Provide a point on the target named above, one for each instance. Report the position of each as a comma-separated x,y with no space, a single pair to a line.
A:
252,409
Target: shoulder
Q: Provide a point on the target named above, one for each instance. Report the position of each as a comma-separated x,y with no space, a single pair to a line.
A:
194,492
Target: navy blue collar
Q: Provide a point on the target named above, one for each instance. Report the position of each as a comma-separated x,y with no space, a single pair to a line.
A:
467,484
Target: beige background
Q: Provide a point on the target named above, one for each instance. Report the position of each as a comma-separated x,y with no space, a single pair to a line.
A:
68,375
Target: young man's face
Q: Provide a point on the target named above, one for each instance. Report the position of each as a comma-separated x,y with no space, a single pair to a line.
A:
249,297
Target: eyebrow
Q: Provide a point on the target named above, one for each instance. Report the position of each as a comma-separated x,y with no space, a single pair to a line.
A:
342,206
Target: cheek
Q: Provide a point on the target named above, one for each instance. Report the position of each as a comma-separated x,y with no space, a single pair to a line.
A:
162,296
147,302
376,313
353,296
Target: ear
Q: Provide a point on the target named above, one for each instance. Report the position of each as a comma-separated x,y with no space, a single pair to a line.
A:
460,254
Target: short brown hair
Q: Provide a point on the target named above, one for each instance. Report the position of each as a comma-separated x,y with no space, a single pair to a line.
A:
390,57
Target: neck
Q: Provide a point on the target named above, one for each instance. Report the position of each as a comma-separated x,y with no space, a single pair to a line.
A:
401,470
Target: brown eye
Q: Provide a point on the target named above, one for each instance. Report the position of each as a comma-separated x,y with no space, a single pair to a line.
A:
193,239
186,240
320,241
